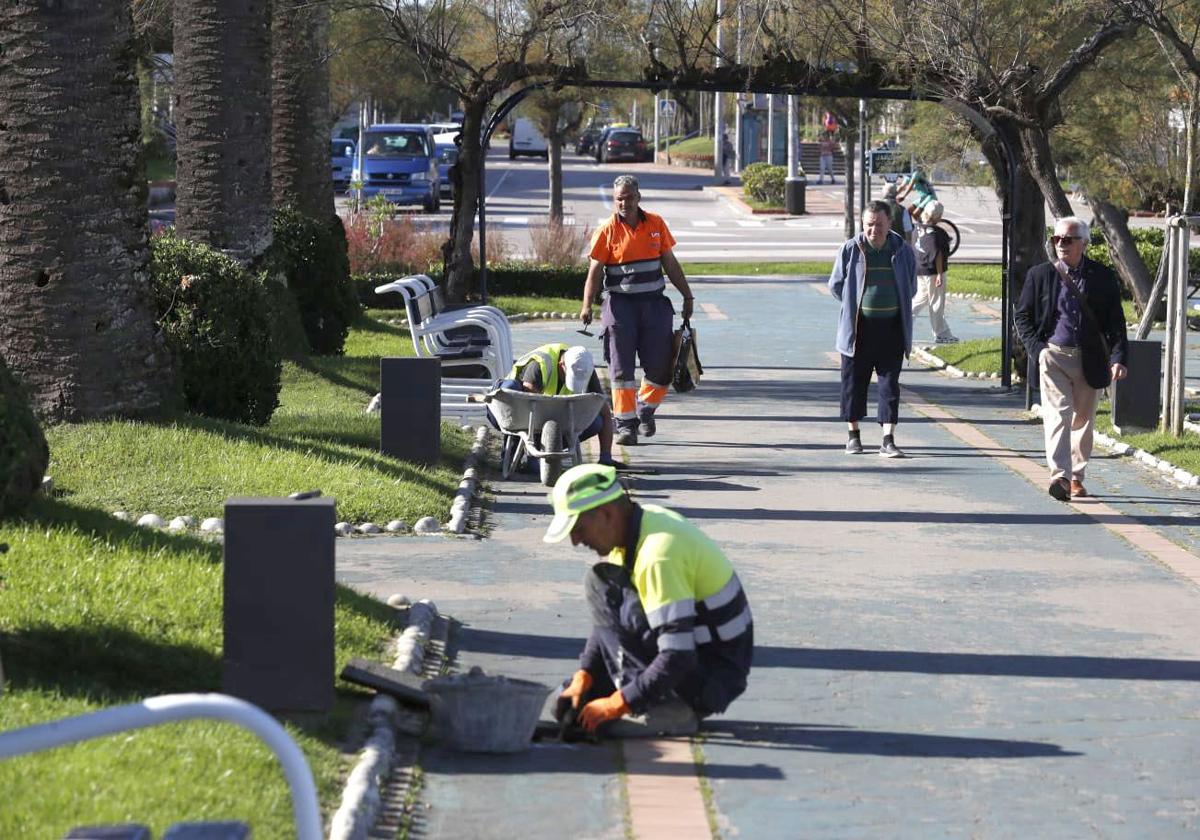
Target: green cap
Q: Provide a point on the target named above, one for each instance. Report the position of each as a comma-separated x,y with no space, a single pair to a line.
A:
578,489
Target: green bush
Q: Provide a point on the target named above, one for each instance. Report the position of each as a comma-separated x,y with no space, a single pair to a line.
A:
23,450
311,254
507,278
217,319
1149,243
764,182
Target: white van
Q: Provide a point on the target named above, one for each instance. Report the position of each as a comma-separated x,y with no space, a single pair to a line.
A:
527,139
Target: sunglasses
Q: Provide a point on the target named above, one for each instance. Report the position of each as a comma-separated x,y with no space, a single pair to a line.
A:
1064,240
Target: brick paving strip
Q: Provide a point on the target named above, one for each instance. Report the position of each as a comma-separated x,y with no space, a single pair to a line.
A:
1172,556
663,790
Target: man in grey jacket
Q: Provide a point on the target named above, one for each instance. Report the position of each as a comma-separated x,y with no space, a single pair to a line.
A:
874,277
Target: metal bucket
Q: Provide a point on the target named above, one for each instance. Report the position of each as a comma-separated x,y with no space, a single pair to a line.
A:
475,712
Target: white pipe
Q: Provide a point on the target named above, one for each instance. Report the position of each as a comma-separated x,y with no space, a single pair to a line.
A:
169,708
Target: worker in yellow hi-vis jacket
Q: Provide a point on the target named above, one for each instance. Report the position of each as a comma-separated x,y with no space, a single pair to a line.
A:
672,636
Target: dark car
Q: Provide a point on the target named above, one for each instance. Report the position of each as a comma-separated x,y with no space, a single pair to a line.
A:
622,144
587,141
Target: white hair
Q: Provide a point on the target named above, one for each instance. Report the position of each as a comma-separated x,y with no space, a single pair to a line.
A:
1079,227
630,181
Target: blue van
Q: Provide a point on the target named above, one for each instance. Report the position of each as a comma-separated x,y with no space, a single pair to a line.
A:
400,163
342,163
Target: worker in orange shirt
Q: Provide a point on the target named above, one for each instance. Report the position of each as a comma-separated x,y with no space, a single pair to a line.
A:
630,253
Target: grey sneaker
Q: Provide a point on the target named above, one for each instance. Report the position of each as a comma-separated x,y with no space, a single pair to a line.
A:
888,449
627,436
646,426
854,446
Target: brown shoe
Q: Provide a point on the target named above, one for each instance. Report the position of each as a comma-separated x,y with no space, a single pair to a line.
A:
1077,489
1060,489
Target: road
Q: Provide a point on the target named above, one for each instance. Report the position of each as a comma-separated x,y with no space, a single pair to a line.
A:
708,226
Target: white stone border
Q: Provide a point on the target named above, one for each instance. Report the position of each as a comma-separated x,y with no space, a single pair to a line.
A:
1170,472
461,506
362,796
516,318
941,366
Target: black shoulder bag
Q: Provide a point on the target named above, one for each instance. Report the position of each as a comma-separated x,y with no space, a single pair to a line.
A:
1094,349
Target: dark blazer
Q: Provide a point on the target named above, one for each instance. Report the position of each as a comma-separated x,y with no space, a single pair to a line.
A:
1037,308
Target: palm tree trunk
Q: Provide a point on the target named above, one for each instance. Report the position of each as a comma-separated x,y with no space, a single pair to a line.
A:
300,174
223,124
76,319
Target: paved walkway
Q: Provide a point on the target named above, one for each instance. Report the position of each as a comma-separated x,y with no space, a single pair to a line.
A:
943,650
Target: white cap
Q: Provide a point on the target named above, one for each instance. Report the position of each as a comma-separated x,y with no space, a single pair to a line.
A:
578,366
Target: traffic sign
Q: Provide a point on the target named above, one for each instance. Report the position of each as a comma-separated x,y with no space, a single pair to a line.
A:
666,108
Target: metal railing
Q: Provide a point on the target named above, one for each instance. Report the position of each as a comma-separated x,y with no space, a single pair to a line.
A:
170,708
1175,254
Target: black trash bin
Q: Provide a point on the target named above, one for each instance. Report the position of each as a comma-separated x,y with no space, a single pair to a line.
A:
1136,400
793,195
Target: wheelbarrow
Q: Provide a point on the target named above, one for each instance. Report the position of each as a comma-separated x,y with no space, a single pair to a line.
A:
544,427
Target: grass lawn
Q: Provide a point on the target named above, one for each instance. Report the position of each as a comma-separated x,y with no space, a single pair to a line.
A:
95,612
980,355
521,304
700,269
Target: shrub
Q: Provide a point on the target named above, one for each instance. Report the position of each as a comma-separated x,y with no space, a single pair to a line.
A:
23,450
557,244
311,254
764,182
1149,243
217,319
380,243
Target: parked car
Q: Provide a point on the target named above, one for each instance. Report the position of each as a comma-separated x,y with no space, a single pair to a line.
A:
622,144
587,141
527,139
447,156
401,164
342,162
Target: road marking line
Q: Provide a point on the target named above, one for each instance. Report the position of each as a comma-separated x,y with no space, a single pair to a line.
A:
703,223
663,790
715,314
516,220
507,172
749,223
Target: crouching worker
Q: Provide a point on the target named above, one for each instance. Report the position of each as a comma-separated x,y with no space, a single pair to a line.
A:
556,370
672,636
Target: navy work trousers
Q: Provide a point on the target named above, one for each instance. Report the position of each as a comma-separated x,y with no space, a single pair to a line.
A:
628,646
879,349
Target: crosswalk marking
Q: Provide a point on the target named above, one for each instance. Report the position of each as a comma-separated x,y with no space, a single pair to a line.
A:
750,223
704,223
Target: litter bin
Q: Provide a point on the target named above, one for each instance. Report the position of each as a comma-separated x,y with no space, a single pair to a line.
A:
1136,398
793,195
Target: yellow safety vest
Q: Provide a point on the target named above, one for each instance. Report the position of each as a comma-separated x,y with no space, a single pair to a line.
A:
547,356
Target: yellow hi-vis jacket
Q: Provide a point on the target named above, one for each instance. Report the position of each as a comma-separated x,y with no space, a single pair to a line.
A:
547,356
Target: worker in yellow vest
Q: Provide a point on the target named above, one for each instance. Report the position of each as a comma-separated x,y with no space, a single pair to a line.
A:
559,369
672,637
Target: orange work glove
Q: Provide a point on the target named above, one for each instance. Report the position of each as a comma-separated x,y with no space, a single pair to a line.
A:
603,710
572,695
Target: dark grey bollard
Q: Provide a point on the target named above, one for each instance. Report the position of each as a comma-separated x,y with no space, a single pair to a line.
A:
1136,398
279,594
410,411
794,195
110,832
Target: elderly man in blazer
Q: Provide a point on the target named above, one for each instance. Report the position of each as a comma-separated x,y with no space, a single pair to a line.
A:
1070,320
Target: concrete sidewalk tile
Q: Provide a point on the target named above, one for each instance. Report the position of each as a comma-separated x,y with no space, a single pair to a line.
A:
665,802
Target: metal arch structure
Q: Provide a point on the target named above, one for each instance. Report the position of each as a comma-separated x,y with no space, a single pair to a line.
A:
838,91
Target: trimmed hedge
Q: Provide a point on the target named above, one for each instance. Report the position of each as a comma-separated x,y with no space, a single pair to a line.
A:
24,454
311,254
510,278
765,183
1149,242
218,320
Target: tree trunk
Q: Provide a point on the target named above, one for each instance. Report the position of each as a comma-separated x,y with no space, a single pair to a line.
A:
76,317
300,107
1114,223
1190,149
223,124
1035,145
459,268
556,178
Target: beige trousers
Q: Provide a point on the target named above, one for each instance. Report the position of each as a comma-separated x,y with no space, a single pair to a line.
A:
1068,412
935,298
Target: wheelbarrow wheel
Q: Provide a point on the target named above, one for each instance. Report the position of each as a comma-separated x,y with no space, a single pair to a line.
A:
508,456
550,466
